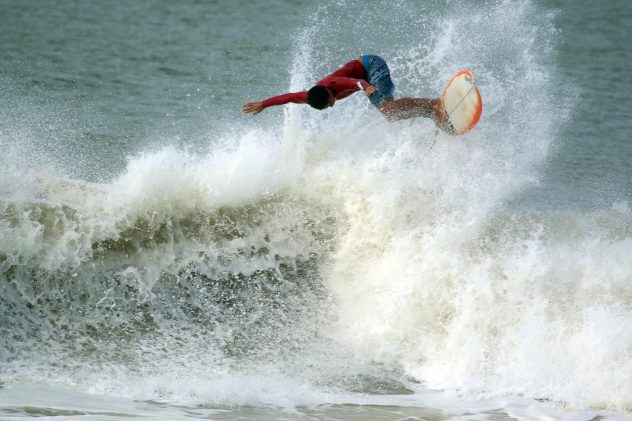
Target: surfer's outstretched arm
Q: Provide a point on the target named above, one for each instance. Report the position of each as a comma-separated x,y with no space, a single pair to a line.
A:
404,108
348,79
253,108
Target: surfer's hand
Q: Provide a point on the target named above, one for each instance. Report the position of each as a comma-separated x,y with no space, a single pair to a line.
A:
370,90
252,107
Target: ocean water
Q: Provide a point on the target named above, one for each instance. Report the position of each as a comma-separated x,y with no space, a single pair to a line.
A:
163,256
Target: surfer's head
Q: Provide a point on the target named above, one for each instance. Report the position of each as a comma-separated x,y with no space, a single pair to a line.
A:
320,97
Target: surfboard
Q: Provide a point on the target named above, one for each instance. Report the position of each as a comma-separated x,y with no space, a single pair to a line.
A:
462,104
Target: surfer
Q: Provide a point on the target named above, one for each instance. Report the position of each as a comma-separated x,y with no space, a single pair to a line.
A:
368,73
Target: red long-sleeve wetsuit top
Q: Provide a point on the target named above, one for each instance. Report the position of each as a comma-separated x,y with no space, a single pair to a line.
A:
343,82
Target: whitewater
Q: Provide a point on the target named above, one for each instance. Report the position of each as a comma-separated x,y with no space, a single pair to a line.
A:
326,265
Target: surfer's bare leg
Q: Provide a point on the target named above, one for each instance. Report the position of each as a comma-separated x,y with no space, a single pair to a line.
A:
404,108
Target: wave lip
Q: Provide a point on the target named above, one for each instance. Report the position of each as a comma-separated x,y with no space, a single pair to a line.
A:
287,266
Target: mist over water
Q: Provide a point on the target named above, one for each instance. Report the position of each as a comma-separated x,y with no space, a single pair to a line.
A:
311,258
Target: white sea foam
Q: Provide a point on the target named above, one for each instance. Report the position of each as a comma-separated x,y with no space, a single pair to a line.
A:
428,270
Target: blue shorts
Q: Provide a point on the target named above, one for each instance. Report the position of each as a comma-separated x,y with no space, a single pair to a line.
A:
379,76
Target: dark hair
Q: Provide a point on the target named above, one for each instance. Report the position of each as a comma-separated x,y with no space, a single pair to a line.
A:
318,97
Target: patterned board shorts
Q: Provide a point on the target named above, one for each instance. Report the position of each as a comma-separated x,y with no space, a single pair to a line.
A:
379,76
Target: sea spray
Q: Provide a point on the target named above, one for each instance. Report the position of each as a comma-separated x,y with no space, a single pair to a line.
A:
431,269
336,256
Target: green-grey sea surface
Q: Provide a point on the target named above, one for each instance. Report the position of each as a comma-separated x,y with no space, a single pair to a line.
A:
164,256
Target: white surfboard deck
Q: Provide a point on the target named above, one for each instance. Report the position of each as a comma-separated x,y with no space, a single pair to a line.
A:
462,104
